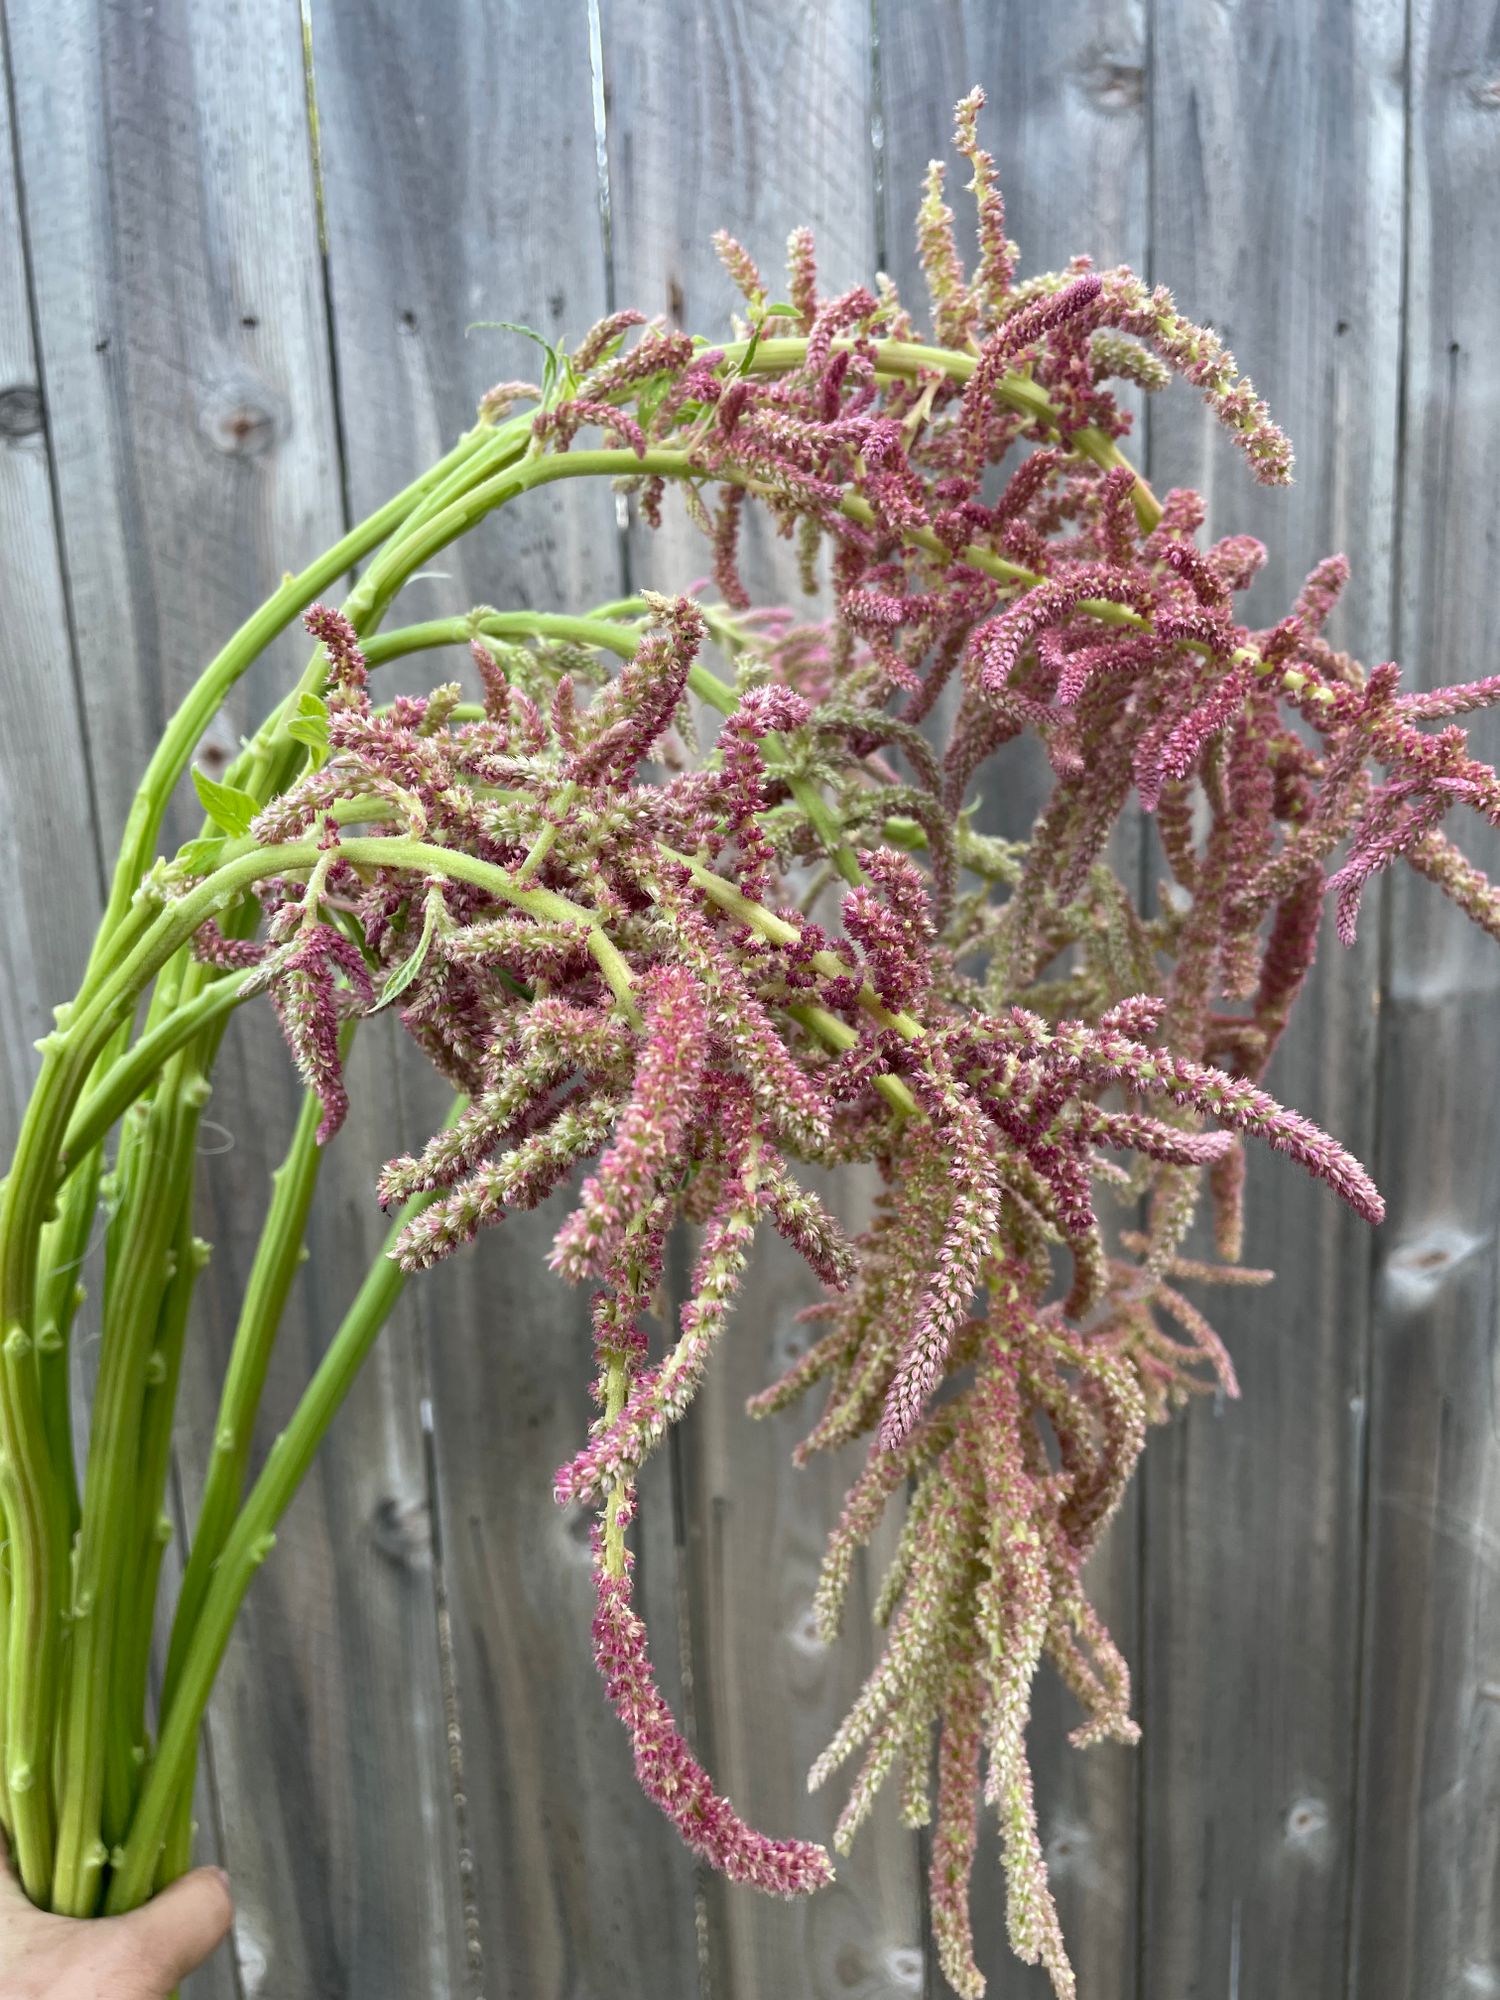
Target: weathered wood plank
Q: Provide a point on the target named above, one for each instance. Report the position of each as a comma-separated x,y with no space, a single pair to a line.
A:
755,119
1277,149
178,288
1065,121
1426,1911
45,808
461,185
46,913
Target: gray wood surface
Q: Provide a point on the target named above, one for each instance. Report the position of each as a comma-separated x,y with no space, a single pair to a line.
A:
44,777
412,1773
1276,215
1426,1905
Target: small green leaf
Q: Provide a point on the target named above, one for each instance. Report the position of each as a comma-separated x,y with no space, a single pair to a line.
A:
555,360
227,806
412,964
782,312
509,326
310,726
198,857
750,352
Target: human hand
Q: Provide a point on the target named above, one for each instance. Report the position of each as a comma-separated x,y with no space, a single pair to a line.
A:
141,1956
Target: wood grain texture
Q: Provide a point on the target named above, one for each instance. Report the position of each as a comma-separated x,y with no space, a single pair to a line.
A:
1066,123
461,186
1276,215
178,291
1426,1904
754,118
47,914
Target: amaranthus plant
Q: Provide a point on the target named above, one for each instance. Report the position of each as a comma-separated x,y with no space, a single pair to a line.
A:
695,972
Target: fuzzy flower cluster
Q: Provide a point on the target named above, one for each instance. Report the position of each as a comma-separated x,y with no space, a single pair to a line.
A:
679,975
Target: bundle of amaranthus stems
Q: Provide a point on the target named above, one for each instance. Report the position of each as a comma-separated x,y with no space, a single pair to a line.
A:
699,970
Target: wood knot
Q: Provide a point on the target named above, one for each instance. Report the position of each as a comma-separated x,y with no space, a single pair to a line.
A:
239,417
1307,1826
402,1530
903,1967
803,1633
1070,1853
1114,80
1419,1267
850,1966
21,412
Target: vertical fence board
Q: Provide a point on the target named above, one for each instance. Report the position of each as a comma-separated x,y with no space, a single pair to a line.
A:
1065,122
178,287
1426,1908
45,797
461,187
1277,135
44,778
755,118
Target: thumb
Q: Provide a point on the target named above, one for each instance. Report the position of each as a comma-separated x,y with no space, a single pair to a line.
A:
172,1934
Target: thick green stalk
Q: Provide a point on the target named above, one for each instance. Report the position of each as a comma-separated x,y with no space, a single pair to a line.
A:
36,1503
6,1503
59,1294
139,1274
153,1529
277,1257
381,647
123,1082
36,1506
248,1545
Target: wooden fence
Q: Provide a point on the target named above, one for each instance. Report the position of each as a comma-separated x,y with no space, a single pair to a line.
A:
219,341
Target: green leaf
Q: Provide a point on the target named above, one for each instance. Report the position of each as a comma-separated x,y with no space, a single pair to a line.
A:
749,355
782,312
230,809
554,357
412,964
198,857
310,726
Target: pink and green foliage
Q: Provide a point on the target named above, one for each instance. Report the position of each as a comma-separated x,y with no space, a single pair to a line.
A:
682,976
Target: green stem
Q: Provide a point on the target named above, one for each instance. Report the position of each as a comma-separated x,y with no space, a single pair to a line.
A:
7,1502
59,1294
138,1275
35,1505
382,647
128,1079
183,732
153,1530
829,828
248,1544
277,1257
387,573
616,1387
